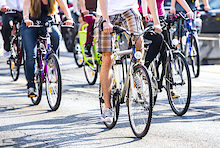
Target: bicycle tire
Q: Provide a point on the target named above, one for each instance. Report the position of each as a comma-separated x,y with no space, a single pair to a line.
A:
142,101
77,54
114,103
193,57
154,77
178,68
14,60
38,83
91,71
53,68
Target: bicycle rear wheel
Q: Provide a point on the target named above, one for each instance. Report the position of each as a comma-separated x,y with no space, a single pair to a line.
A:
192,55
114,103
53,82
77,53
14,60
38,83
178,84
140,101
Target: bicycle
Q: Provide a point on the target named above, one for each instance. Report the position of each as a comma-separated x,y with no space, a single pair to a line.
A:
47,69
91,64
17,55
189,43
175,72
131,81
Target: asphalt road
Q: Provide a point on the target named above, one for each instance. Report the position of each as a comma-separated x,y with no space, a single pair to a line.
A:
77,122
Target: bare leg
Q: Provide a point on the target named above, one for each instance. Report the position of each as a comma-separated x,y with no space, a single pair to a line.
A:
106,77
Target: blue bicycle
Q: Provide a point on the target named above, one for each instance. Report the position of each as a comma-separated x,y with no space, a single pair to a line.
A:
189,43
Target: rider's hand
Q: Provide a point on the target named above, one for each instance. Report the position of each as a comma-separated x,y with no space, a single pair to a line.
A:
28,22
190,15
148,18
107,27
172,10
157,29
5,8
207,8
85,12
69,22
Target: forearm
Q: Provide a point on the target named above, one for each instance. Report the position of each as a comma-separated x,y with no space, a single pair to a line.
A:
206,2
63,6
104,9
153,10
184,4
3,3
26,8
173,2
82,5
144,7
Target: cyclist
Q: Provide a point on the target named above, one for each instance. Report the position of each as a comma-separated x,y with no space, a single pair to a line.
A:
120,12
41,10
6,28
154,48
86,6
176,7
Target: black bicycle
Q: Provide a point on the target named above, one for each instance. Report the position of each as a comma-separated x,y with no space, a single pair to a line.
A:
175,72
17,55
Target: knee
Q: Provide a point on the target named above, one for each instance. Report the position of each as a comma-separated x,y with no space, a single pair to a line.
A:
107,60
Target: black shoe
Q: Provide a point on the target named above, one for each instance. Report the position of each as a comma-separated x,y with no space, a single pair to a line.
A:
88,50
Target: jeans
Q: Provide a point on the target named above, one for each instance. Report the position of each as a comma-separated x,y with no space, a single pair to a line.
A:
29,41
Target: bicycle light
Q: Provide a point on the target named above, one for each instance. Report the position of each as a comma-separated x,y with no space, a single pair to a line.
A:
138,55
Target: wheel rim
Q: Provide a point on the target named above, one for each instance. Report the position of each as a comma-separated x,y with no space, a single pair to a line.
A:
177,82
78,54
52,83
139,104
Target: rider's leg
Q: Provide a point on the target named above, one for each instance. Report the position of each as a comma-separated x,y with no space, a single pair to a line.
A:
29,41
106,77
154,48
55,38
6,29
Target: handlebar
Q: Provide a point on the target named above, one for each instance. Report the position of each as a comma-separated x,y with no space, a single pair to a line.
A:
119,30
39,24
13,11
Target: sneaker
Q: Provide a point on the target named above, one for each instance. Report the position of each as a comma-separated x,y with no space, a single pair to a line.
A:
107,115
31,92
88,50
174,95
7,54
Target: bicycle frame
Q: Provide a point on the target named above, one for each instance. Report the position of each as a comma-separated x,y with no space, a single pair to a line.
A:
116,57
46,44
82,39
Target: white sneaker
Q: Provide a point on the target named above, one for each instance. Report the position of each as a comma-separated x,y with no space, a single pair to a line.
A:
107,115
7,54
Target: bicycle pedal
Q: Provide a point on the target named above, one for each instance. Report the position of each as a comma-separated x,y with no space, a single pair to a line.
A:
8,62
32,96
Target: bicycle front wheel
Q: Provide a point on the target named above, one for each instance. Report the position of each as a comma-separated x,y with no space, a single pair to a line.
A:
178,84
77,53
140,101
53,82
91,70
192,55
